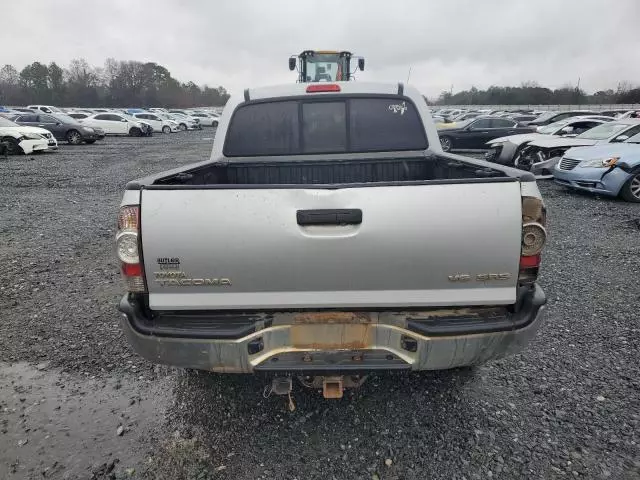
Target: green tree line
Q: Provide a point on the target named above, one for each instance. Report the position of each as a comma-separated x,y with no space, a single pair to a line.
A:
530,93
116,84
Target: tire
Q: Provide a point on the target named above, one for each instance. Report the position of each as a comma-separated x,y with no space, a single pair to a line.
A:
183,127
446,143
135,132
631,190
74,137
166,129
13,148
214,124
90,142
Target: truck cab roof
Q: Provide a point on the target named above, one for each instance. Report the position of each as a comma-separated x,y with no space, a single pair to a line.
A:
295,89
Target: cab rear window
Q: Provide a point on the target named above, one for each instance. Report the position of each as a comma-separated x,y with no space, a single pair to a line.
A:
327,125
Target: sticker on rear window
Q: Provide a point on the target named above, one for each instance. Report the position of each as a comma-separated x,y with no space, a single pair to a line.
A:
398,107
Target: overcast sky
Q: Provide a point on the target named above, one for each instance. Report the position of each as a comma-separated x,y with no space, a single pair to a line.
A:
240,43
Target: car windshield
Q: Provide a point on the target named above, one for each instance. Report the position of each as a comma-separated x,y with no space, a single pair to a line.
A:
553,127
7,123
545,116
604,131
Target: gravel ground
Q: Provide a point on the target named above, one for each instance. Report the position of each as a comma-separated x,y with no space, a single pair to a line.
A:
568,406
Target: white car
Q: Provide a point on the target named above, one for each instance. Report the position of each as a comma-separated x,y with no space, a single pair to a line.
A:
158,123
43,133
115,124
184,115
206,118
505,150
45,108
21,139
184,123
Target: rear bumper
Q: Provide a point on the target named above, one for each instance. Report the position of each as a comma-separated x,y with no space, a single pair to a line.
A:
354,342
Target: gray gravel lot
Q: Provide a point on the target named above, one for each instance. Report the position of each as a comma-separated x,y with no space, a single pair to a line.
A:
568,406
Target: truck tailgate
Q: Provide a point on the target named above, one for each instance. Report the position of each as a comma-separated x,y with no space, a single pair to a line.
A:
416,245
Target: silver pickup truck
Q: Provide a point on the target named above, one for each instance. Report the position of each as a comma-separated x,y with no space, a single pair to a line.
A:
328,237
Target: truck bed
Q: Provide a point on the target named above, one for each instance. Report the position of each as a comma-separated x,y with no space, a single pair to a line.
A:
326,172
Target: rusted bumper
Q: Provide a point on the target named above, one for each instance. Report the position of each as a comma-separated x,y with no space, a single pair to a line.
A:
325,342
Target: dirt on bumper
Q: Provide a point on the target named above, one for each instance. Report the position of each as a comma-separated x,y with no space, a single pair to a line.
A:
348,341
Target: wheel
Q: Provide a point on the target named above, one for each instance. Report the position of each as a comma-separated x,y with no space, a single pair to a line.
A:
214,124
199,126
183,127
135,132
74,137
631,190
90,141
166,129
12,146
446,143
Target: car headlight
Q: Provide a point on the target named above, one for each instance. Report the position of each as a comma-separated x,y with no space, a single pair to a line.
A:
600,163
88,129
31,136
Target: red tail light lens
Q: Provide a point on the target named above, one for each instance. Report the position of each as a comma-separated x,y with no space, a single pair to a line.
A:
131,269
530,262
323,87
128,248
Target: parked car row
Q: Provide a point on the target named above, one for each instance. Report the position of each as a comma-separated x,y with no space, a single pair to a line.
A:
40,127
590,153
540,152
598,152
525,116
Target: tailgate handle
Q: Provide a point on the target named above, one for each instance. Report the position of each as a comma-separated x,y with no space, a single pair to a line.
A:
344,216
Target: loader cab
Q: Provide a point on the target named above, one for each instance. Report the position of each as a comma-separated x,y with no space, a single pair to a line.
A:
324,66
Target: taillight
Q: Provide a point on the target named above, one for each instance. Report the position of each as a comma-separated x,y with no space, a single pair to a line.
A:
128,248
534,237
323,87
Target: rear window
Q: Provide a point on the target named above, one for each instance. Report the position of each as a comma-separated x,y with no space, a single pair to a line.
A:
377,124
324,127
353,125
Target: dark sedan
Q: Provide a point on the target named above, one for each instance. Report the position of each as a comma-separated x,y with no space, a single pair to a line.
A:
62,126
475,133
